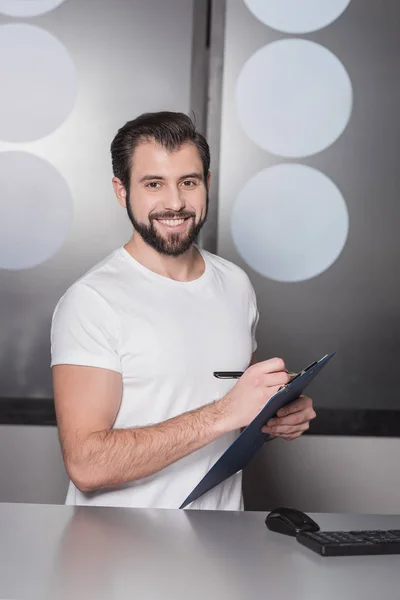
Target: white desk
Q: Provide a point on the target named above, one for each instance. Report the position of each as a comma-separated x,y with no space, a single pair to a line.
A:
53,552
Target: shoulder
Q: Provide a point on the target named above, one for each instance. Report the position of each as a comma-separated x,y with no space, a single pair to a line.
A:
88,293
108,270
227,269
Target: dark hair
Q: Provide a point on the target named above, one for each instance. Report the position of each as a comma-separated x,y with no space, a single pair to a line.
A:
169,129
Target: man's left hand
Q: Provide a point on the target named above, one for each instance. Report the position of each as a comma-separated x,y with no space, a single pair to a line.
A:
292,420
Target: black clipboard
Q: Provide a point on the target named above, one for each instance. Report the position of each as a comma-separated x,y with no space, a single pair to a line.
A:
239,453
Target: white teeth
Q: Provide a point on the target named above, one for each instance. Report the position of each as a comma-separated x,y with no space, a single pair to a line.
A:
172,222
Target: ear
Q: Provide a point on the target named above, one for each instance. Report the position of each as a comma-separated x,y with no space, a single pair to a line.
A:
120,191
208,181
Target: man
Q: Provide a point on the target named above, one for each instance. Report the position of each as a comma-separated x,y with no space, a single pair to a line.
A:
136,340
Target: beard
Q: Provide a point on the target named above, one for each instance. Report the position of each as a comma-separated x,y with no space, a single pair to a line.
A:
172,244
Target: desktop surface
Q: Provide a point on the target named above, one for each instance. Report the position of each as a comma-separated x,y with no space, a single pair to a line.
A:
64,552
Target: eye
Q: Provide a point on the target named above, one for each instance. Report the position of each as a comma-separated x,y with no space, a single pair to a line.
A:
189,183
153,185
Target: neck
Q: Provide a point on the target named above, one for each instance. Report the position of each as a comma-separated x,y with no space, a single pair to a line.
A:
186,267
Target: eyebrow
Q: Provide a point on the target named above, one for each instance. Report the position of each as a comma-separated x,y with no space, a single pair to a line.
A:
194,175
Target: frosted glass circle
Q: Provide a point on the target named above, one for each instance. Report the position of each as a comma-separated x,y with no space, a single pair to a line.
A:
297,16
28,8
35,213
293,98
37,82
290,222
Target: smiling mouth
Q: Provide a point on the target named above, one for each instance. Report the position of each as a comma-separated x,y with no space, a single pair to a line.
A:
173,222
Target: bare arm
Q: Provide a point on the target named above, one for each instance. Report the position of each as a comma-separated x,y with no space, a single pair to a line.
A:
87,401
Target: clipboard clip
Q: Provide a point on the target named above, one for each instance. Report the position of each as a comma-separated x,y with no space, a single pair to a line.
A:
303,372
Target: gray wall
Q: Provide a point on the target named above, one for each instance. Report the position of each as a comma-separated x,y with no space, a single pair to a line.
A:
326,474
31,465
352,306
130,57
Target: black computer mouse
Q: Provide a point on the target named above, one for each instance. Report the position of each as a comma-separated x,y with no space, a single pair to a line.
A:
290,521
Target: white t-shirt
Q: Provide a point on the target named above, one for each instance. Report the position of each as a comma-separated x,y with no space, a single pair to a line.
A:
166,338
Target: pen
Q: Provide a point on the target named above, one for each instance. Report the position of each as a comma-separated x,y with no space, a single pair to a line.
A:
238,374
228,374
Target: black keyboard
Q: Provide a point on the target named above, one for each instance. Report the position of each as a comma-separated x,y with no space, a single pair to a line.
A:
351,543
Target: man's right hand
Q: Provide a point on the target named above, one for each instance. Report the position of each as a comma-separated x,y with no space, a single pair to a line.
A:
253,390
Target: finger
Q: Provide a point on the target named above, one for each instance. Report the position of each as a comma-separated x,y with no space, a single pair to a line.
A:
303,416
281,430
276,379
302,403
272,365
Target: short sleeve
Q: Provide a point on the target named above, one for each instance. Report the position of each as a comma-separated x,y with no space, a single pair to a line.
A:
253,317
85,330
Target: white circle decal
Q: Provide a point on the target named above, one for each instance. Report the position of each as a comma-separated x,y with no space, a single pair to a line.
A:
36,210
293,98
290,222
28,8
37,81
297,16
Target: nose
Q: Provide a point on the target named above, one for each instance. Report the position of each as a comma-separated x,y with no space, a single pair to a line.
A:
175,200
